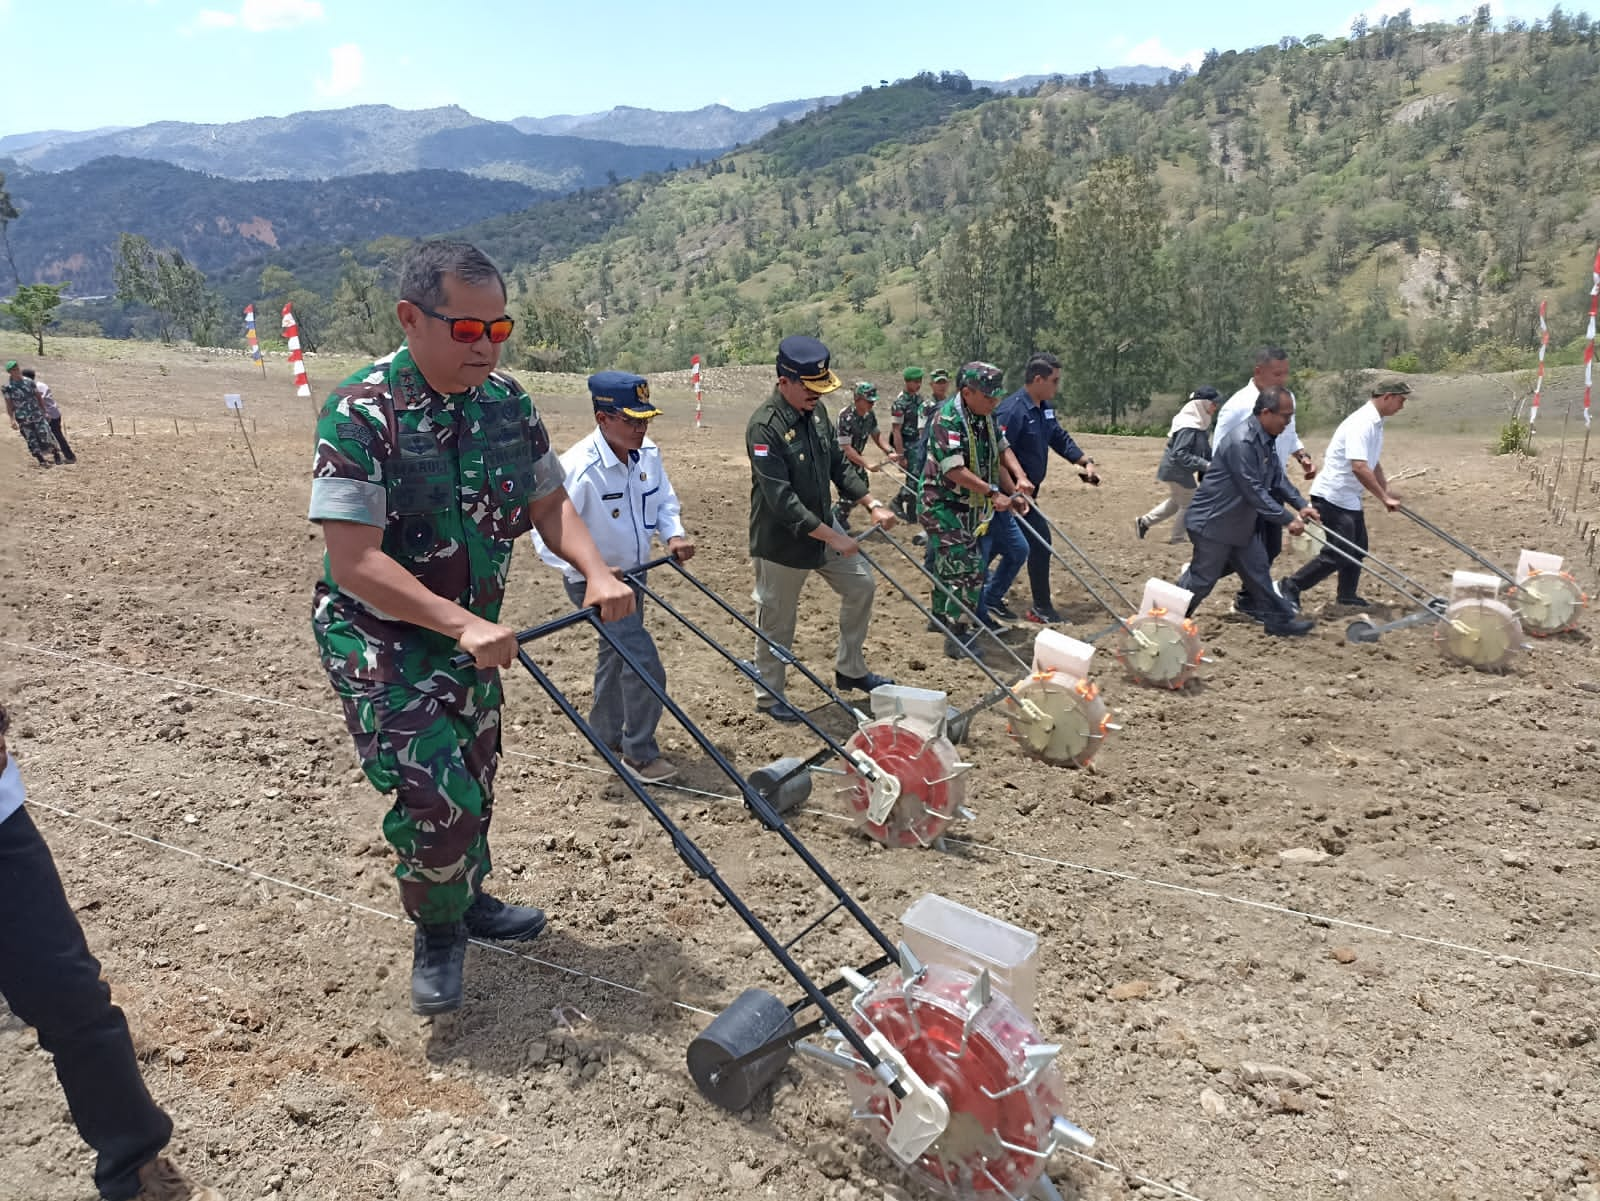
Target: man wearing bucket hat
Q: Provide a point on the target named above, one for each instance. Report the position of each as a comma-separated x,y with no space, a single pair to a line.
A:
858,422
26,412
795,462
1349,468
905,432
621,492
969,477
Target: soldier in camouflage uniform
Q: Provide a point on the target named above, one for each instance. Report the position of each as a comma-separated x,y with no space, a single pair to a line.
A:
27,415
429,465
968,475
857,423
905,432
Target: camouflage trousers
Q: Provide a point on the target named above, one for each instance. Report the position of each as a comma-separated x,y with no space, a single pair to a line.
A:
435,745
957,563
36,433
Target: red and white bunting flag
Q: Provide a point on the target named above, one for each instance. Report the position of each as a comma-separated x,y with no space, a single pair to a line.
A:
1538,383
297,360
1588,349
694,376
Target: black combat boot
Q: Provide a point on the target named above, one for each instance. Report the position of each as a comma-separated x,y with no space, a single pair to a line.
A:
437,956
492,918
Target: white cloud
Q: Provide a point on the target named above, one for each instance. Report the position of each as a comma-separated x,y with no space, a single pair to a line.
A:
1152,53
262,16
346,64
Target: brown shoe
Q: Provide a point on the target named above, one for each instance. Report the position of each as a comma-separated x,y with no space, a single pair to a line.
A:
163,1180
657,771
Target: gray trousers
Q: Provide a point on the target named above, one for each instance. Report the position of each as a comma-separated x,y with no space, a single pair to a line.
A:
625,712
777,597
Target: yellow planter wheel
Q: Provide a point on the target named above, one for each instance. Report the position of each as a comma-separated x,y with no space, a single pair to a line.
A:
1160,648
1072,722
1479,632
1549,602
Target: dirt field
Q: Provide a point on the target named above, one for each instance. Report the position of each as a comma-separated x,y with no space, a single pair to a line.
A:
1413,1015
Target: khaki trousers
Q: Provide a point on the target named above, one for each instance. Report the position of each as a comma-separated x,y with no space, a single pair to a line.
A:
1176,504
777,597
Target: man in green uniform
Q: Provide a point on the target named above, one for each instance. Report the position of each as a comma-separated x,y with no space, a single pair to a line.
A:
794,458
968,477
429,465
905,417
857,422
27,415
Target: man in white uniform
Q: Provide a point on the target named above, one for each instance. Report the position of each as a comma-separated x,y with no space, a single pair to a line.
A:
620,489
1351,467
1271,371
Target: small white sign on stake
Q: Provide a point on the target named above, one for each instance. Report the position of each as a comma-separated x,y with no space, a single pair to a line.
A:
233,400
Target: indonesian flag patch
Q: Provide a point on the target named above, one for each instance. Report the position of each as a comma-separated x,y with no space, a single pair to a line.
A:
759,450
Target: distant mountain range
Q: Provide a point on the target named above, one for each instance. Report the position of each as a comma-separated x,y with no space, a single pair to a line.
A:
356,141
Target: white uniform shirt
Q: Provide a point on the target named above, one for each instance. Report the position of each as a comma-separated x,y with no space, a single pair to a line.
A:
1240,406
11,790
1358,438
46,401
623,504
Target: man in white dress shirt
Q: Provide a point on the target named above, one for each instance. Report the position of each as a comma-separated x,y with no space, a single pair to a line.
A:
620,489
1351,467
1271,371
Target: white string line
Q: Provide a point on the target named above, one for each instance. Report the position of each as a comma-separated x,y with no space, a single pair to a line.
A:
338,900
557,967
1112,873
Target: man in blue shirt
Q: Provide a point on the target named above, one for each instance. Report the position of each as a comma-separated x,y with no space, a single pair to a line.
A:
1028,417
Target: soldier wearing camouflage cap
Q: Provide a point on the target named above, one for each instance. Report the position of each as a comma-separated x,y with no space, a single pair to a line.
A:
969,476
429,465
905,433
858,421
26,412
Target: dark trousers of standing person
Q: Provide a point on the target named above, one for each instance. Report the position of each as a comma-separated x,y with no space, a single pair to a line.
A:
1010,544
1270,535
1350,525
51,981
1212,560
61,439
1038,559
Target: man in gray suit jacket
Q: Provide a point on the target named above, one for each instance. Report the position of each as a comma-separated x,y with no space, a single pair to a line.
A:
1245,482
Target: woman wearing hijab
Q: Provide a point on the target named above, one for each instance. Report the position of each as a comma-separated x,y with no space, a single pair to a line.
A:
1188,453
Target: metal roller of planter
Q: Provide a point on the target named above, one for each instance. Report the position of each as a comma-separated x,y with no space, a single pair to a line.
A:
1474,626
1055,717
905,782
945,1066
1547,599
1159,644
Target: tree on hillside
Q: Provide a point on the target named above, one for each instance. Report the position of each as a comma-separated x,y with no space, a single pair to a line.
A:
1112,299
363,310
8,214
1029,253
554,337
966,292
170,286
33,308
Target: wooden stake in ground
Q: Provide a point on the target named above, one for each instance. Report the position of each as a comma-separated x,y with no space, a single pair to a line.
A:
236,402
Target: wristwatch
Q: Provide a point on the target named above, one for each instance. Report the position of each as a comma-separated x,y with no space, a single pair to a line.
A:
994,489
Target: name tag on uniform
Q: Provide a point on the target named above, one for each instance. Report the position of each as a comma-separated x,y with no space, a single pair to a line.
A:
1049,414
611,496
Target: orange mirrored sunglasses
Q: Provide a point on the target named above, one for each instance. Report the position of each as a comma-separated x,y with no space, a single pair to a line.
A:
470,329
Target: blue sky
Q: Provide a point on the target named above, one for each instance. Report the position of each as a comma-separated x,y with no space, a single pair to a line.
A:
128,62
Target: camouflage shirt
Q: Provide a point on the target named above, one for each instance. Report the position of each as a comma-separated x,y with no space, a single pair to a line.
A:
24,398
959,438
449,480
906,412
855,428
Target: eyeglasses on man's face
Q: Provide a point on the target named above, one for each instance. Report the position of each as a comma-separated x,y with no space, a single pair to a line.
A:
468,330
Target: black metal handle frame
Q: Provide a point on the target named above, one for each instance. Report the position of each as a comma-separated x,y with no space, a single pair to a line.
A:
697,862
1384,573
1476,556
